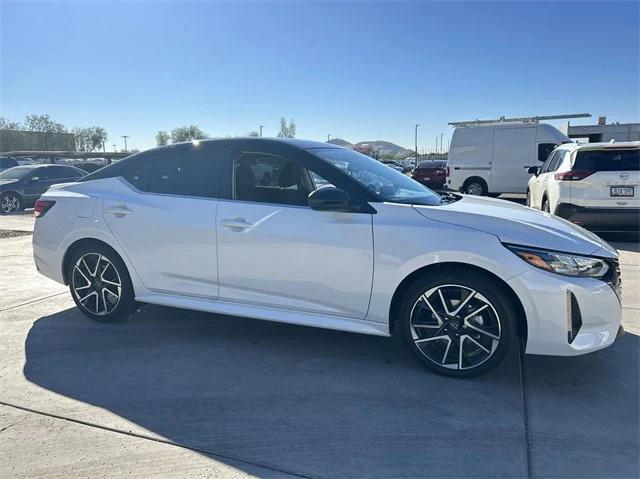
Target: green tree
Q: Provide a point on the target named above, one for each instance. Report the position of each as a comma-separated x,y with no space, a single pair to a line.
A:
6,124
287,131
162,138
90,139
42,123
187,133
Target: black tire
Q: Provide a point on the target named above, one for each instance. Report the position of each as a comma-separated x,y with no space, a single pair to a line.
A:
93,270
475,186
11,203
418,322
545,206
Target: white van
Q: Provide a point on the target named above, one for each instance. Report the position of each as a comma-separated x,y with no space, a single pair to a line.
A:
494,158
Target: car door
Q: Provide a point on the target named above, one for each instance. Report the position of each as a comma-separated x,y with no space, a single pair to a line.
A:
41,179
162,211
538,186
275,251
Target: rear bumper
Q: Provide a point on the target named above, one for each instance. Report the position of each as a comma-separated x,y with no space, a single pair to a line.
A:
601,219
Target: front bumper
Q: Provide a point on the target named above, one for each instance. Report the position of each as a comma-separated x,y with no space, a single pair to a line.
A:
601,219
549,308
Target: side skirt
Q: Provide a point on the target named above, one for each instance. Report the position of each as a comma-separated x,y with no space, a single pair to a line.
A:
269,314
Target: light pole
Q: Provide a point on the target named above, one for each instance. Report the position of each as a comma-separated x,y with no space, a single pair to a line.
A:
261,127
436,144
416,143
114,147
328,138
441,147
125,141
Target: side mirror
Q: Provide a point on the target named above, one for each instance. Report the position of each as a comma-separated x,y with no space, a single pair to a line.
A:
330,198
533,170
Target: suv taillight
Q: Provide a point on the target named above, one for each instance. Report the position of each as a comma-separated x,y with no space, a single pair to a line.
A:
572,175
42,206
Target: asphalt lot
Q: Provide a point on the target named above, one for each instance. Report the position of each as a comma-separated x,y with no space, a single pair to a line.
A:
174,393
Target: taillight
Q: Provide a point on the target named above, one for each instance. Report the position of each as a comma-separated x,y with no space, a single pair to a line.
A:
572,175
42,206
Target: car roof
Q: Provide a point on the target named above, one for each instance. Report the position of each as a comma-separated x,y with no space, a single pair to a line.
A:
299,143
600,145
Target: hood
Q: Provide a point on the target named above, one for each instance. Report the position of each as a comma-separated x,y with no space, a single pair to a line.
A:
518,224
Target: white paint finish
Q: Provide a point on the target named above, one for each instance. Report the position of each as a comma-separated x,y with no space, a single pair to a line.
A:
296,258
171,240
279,315
515,224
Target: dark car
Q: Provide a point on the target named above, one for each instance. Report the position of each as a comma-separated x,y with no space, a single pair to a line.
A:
431,173
21,186
7,162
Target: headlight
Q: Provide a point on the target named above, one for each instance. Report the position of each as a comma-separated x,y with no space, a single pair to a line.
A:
562,263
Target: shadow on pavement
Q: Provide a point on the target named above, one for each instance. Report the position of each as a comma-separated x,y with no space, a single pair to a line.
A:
325,403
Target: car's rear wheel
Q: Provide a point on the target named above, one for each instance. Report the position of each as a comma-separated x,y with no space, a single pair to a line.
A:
100,284
475,186
545,206
10,203
458,323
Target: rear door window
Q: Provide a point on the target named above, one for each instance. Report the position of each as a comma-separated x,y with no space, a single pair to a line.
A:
544,150
186,173
608,160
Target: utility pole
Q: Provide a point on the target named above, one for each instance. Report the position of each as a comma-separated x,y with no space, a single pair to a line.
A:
125,141
114,147
416,145
261,127
441,147
103,150
436,144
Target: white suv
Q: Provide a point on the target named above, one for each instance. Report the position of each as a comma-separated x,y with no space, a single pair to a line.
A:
312,234
594,185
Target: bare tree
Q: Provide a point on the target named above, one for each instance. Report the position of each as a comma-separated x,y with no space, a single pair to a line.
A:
42,123
287,131
90,139
6,124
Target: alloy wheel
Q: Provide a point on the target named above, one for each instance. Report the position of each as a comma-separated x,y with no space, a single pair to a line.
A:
96,284
9,204
455,327
475,189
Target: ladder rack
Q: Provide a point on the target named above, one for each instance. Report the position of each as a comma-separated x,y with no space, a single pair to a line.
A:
522,119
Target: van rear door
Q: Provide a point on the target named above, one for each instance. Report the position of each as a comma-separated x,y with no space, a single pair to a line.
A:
513,154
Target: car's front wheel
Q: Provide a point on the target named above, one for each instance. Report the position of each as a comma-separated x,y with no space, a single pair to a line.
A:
458,323
10,203
100,284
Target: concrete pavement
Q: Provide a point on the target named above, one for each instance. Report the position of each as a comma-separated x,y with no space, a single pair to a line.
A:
181,393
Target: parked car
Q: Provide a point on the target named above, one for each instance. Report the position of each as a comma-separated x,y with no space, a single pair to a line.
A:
490,159
394,165
405,168
7,162
594,185
432,173
89,167
372,251
21,186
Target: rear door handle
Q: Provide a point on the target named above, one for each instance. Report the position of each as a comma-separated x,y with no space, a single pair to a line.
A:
119,211
237,224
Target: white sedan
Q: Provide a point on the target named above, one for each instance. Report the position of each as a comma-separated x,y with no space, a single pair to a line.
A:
202,226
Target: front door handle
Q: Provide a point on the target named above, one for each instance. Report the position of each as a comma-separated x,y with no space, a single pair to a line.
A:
119,211
236,224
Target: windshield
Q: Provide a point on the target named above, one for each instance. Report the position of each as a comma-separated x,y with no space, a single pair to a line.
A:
385,183
15,173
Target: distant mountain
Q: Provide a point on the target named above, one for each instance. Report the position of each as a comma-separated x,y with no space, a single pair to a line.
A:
340,142
384,148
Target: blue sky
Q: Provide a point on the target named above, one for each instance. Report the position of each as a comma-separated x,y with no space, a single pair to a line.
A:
355,70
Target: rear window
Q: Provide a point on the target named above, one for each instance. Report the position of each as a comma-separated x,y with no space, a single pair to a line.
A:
608,160
433,164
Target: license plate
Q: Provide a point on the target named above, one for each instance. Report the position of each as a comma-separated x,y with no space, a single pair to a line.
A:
621,191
